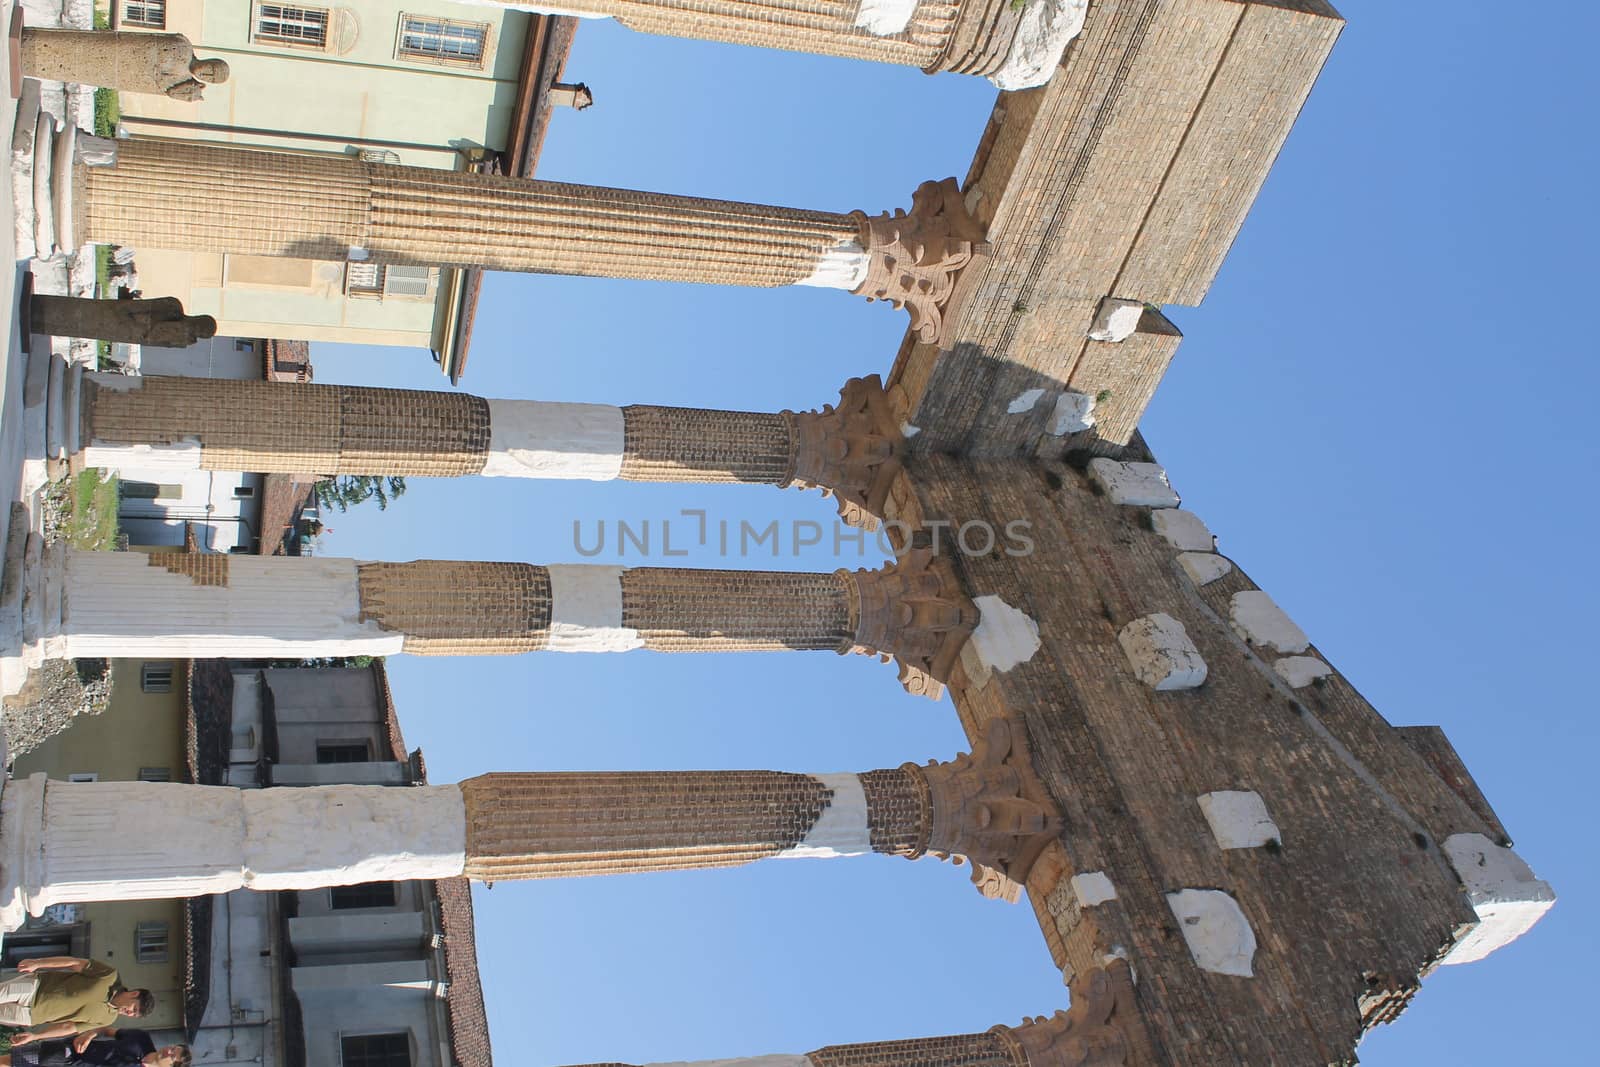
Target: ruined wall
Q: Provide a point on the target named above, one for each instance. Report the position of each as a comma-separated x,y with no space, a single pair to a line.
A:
1240,824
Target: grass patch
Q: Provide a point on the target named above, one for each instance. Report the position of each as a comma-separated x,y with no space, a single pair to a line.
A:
90,506
102,269
107,112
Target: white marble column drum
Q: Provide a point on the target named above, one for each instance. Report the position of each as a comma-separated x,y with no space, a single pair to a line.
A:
208,606
68,842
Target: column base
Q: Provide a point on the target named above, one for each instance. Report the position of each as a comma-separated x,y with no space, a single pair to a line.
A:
30,604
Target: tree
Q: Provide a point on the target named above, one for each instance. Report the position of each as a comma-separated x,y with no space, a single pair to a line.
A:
346,490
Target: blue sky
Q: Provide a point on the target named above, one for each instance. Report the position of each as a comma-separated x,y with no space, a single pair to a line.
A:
1383,410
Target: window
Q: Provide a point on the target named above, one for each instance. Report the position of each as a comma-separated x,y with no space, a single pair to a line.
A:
372,279
148,14
442,40
150,942
244,346
155,677
155,774
285,24
376,1050
365,895
343,752
83,776
244,492
407,281
135,490
363,279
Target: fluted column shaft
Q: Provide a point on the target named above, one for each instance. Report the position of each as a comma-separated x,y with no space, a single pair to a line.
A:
187,605
136,604
206,198
203,198
579,824
997,38
170,423
1102,1029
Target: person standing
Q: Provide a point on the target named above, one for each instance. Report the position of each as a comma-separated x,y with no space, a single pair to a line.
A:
59,996
112,1047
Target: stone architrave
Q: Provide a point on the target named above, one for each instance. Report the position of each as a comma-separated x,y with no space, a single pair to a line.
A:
1016,46
71,842
160,64
850,451
246,202
159,321
112,604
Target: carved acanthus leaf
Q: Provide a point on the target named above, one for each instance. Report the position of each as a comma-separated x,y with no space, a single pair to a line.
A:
913,610
914,258
1094,1032
990,809
850,452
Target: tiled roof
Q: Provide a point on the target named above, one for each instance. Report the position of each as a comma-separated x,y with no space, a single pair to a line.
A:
282,497
197,962
209,701
392,737
469,1022
286,361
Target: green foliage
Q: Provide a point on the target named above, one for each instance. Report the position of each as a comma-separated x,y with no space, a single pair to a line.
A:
107,112
1102,396
347,490
102,269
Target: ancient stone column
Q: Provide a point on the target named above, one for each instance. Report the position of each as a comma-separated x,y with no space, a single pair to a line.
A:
110,604
185,424
162,64
65,842
206,198
160,321
1014,45
1102,1029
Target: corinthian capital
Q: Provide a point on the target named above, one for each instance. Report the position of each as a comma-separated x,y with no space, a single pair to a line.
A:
914,258
990,809
1100,1030
912,610
850,452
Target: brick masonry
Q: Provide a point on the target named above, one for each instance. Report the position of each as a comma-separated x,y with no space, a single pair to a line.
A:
1129,175
1355,899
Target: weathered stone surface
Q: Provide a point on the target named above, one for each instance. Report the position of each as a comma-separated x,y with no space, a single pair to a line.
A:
1357,886
159,322
1204,567
1161,653
1139,484
1261,622
1239,819
1300,671
1183,530
162,64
